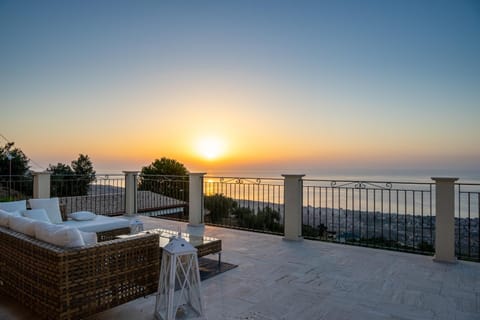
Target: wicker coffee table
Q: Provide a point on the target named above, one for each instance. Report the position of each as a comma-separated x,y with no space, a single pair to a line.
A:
204,245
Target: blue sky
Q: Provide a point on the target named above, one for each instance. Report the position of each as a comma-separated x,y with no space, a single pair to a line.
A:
288,84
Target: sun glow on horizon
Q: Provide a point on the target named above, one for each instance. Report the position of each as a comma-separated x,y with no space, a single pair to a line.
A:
210,148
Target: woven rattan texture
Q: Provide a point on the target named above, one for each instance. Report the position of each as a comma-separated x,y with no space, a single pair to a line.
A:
58,283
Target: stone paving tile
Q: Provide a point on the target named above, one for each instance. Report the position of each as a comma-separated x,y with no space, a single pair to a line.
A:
466,316
278,279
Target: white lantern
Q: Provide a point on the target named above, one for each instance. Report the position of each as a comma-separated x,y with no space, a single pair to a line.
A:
179,293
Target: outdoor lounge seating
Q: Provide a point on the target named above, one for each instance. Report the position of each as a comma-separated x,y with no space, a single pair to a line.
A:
53,270
71,283
60,271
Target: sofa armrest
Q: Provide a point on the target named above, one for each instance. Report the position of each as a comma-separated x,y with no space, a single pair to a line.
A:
109,273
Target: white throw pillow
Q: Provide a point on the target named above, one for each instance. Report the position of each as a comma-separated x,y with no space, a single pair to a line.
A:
82,215
36,214
59,235
89,238
52,207
22,224
12,206
4,217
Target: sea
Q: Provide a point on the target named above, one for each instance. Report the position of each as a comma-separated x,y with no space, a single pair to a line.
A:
394,175
411,201
468,181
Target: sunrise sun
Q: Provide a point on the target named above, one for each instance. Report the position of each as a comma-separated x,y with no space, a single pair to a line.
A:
210,148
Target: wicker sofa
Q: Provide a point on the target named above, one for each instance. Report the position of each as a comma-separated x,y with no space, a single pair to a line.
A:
72,283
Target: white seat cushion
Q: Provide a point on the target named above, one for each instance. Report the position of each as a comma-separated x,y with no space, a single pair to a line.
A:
99,224
12,206
51,205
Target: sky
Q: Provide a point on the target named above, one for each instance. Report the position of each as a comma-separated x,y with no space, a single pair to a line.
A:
284,86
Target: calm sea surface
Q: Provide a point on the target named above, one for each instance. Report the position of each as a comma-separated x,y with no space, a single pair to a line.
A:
404,176
408,202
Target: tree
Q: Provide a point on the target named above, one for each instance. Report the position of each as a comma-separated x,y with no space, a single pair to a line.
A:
60,169
72,180
19,161
245,217
269,220
15,177
266,219
83,169
321,231
425,246
219,207
165,166
60,180
167,177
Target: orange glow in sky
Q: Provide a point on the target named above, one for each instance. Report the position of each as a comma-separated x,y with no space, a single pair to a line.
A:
268,84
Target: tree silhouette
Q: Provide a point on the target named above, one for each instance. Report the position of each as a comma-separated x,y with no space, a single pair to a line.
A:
219,207
167,177
72,180
15,176
266,219
19,161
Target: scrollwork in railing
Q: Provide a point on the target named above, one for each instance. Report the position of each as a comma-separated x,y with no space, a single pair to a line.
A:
385,186
361,185
225,180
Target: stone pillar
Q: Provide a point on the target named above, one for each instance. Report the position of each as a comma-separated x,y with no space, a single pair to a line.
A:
195,200
445,220
130,192
41,185
293,197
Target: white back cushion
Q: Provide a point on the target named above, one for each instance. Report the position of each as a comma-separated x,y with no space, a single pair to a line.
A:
51,205
14,205
59,235
36,214
4,217
44,229
22,224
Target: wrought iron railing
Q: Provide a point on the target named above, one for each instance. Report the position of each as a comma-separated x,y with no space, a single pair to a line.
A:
163,195
467,224
247,203
16,187
103,194
391,215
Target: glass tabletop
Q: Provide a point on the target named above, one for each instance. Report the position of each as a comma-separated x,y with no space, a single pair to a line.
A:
166,234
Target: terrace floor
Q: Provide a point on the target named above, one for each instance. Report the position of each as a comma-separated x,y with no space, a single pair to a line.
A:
278,279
